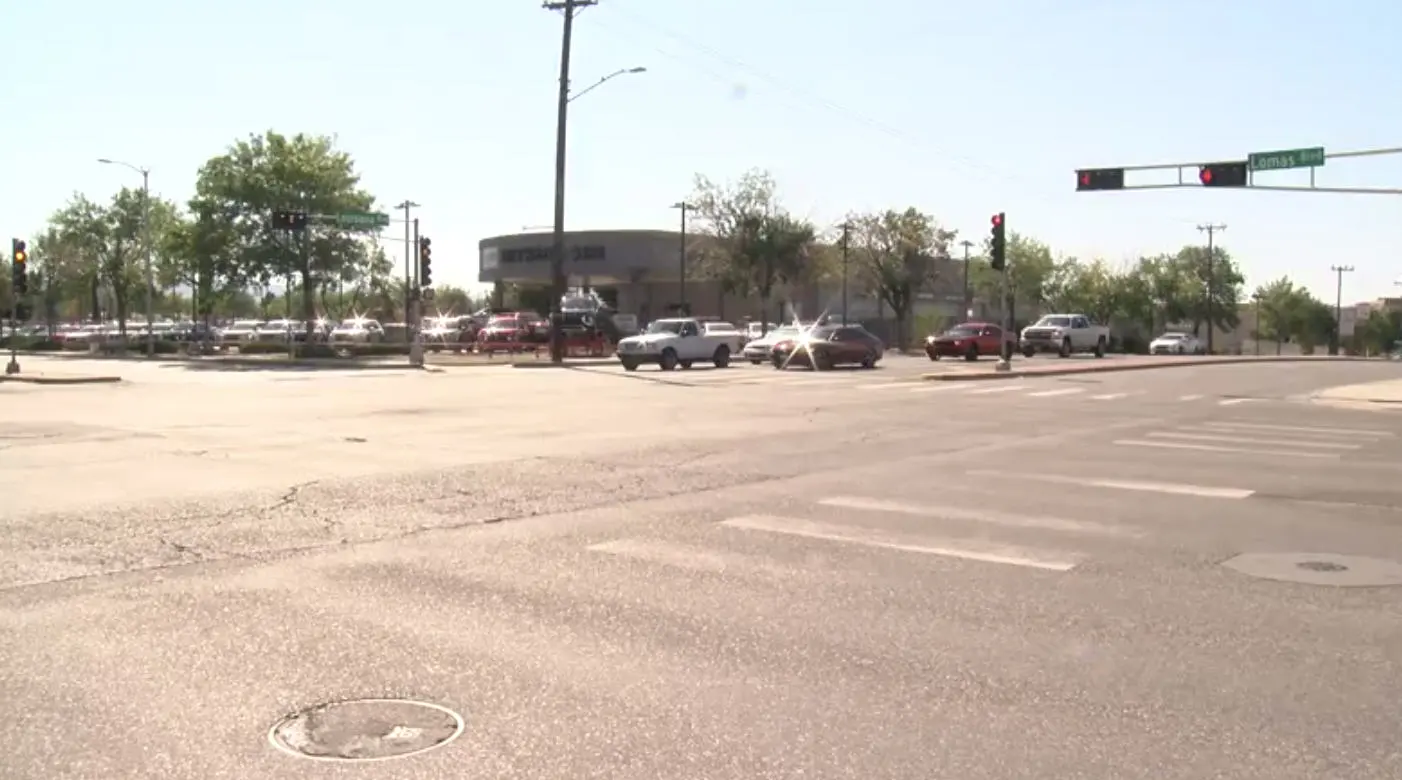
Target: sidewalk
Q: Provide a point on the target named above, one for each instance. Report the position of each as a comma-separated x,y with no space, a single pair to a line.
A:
1022,368
1386,392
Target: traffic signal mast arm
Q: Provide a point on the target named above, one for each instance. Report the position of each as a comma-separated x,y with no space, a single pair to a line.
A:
1235,173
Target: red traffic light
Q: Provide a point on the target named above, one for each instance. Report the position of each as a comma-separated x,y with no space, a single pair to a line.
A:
997,220
1205,175
1085,179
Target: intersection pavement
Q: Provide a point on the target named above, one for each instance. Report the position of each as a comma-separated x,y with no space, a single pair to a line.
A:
1020,586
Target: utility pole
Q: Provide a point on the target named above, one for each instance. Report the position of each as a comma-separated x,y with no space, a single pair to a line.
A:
682,206
968,303
407,205
558,281
846,242
1211,231
1339,271
416,347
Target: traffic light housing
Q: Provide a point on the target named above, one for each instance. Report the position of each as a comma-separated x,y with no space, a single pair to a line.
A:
998,243
1100,179
425,262
289,220
1227,174
19,269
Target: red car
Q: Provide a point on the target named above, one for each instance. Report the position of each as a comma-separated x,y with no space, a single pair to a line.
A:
969,341
824,347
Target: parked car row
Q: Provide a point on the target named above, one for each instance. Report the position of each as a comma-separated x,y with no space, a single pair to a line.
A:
1062,334
682,342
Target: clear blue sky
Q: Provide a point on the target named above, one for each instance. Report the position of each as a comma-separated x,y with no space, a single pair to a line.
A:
959,108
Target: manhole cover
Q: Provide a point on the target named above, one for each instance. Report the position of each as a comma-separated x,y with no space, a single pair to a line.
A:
1342,571
366,730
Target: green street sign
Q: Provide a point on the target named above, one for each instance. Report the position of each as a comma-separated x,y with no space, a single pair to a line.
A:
1285,159
360,219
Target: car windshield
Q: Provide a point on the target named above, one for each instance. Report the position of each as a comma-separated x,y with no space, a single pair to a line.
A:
962,333
355,323
502,322
1055,322
1173,337
665,326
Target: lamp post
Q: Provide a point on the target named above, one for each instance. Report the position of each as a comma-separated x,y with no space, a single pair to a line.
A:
558,279
968,304
683,207
146,237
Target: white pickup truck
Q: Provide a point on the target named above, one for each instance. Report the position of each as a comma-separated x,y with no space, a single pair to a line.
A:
1064,334
681,342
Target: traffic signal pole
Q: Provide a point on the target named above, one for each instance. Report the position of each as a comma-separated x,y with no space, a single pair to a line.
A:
1113,179
416,346
19,285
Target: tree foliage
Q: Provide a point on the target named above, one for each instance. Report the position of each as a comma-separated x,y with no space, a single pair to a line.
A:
899,254
752,245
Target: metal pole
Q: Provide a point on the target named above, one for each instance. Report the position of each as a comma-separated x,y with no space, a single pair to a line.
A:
968,304
681,260
150,276
416,349
408,260
1339,271
1211,231
558,281
846,241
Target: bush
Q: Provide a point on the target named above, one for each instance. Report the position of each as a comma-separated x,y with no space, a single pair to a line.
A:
31,344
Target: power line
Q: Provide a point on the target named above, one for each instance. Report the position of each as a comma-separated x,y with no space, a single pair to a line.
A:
1211,231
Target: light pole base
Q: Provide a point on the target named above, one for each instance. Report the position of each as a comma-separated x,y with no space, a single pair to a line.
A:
416,355
12,367
1003,365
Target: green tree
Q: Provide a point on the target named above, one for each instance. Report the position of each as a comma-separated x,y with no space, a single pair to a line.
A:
238,191
752,244
1277,310
1224,289
1091,288
898,253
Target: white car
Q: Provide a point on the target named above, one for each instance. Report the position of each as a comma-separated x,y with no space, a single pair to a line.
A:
358,331
759,348
681,342
1174,343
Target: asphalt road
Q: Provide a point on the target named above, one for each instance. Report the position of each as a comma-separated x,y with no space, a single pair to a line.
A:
704,574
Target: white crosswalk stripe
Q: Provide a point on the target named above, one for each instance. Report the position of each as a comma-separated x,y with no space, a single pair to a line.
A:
1258,439
946,528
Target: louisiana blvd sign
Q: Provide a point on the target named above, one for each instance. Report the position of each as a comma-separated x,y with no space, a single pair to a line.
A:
360,219
1286,159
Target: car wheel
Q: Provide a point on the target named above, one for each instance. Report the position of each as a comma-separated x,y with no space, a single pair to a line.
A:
1065,350
756,362
870,360
629,364
1029,353
821,361
722,357
935,356
778,362
972,354
1100,347
668,360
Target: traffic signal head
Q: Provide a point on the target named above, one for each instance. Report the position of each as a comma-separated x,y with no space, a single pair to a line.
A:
998,244
1228,174
1100,179
425,261
19,269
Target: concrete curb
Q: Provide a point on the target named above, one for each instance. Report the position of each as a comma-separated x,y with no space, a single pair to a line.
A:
576,363
39,379
1108,368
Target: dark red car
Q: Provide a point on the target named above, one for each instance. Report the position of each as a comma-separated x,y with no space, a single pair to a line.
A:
968,341
514,328
824,347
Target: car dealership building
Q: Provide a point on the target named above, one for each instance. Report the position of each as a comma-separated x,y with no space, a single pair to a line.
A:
639,272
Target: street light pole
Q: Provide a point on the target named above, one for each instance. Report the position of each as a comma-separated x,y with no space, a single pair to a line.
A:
146,237
683,207
846,256
968,304
1211,231
408,206
1339,271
